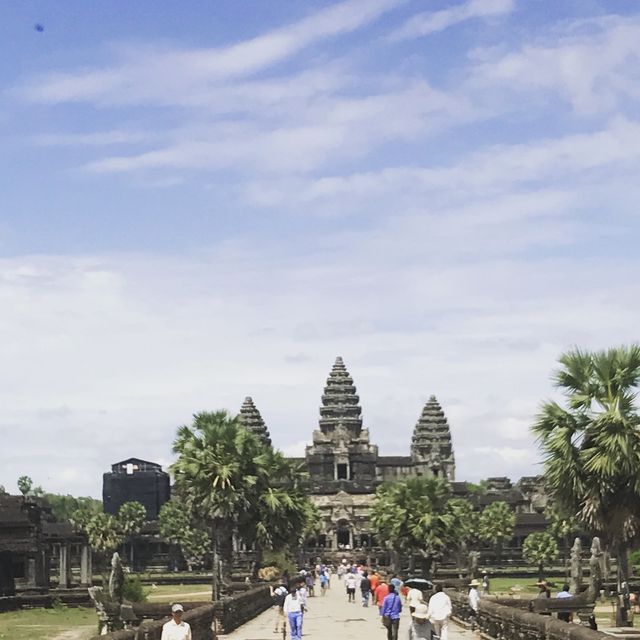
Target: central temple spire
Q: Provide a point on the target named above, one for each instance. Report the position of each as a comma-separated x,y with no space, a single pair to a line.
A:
340,403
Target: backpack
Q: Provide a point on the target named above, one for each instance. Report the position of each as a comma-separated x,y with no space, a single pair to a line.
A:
279,597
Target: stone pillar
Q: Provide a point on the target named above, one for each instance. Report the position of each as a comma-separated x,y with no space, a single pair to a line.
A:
31,573
86,565
64,569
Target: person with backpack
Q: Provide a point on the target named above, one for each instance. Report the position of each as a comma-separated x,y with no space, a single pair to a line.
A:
390,612
278,596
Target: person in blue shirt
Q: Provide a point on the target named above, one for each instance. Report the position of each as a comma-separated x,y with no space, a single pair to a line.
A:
390,612
566,616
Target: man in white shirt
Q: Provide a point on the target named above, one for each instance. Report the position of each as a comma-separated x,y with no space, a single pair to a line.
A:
176,629
293,608
439,612
474,599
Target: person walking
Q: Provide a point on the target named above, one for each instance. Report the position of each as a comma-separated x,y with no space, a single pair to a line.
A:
293,609
439,610
374,579
391,609
176,628
474,600
421,628
365,589
414,598
381,592
350,582
278,596
324,583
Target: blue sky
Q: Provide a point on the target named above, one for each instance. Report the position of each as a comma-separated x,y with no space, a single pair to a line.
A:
208,200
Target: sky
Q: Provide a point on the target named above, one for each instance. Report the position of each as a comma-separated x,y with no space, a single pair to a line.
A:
202,201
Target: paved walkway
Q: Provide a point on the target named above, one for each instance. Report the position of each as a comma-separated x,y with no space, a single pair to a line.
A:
333,618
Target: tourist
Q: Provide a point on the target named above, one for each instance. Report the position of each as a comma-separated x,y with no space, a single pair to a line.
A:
390,612
565,616
293,608
381,592
421,628
474,600
396,582
374,579
544,592
485,584
324,582
414,598
176,628
439,612
365,589
278,596
311,583
350,582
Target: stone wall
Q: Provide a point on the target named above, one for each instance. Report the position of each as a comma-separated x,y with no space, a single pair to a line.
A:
513,623
200,619
230,613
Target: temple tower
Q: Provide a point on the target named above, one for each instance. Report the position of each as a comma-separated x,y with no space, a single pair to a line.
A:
252,420
431,448
341,450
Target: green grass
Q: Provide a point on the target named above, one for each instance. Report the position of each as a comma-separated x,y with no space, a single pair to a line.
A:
522,587
46,624
177,592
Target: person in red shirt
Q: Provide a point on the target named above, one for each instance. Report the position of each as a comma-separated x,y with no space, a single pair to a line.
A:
381,592
374,579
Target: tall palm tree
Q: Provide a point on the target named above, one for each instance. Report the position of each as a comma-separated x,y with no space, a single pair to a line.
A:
411,515
592,446
216,472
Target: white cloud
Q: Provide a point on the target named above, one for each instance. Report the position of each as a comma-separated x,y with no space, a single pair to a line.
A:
157,76
591,64
428,22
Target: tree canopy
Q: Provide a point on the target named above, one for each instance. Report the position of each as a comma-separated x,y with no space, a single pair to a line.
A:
591,444
540,549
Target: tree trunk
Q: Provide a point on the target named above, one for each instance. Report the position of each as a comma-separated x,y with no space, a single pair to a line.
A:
540,572
225,546
215,566
623,601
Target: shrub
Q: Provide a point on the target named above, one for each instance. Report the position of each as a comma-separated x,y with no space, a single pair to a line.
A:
134,590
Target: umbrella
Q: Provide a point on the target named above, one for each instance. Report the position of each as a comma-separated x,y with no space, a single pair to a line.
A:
419,583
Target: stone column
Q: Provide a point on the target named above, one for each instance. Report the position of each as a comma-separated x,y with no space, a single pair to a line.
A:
64,569
86,566
31,573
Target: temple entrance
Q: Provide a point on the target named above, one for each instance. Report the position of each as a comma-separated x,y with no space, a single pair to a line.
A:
343,537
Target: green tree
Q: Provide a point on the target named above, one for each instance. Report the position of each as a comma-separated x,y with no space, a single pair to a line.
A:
131,517
411,516
496,525
177,528
25,484
64,506
562,528
540,549
216,472
102,530
464,525
591,446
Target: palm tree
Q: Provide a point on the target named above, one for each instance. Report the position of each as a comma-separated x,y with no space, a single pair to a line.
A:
411,516
496,525
216,474
540,549
592,446
465,523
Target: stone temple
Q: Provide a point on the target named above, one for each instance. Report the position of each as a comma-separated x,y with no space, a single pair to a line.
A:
345,468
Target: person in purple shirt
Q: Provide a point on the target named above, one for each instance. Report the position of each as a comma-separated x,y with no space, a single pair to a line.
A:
390,612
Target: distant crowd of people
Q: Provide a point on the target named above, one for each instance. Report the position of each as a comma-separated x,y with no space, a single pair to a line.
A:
429,620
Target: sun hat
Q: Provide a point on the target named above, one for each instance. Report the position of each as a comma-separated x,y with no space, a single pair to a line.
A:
177,607
421,611
474,583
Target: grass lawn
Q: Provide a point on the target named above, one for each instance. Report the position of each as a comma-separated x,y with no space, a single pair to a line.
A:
47,624
179,592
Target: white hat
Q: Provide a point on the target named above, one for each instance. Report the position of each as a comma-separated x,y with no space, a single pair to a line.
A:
421,611
177,607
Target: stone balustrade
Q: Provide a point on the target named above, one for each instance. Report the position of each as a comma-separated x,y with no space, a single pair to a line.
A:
513,623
